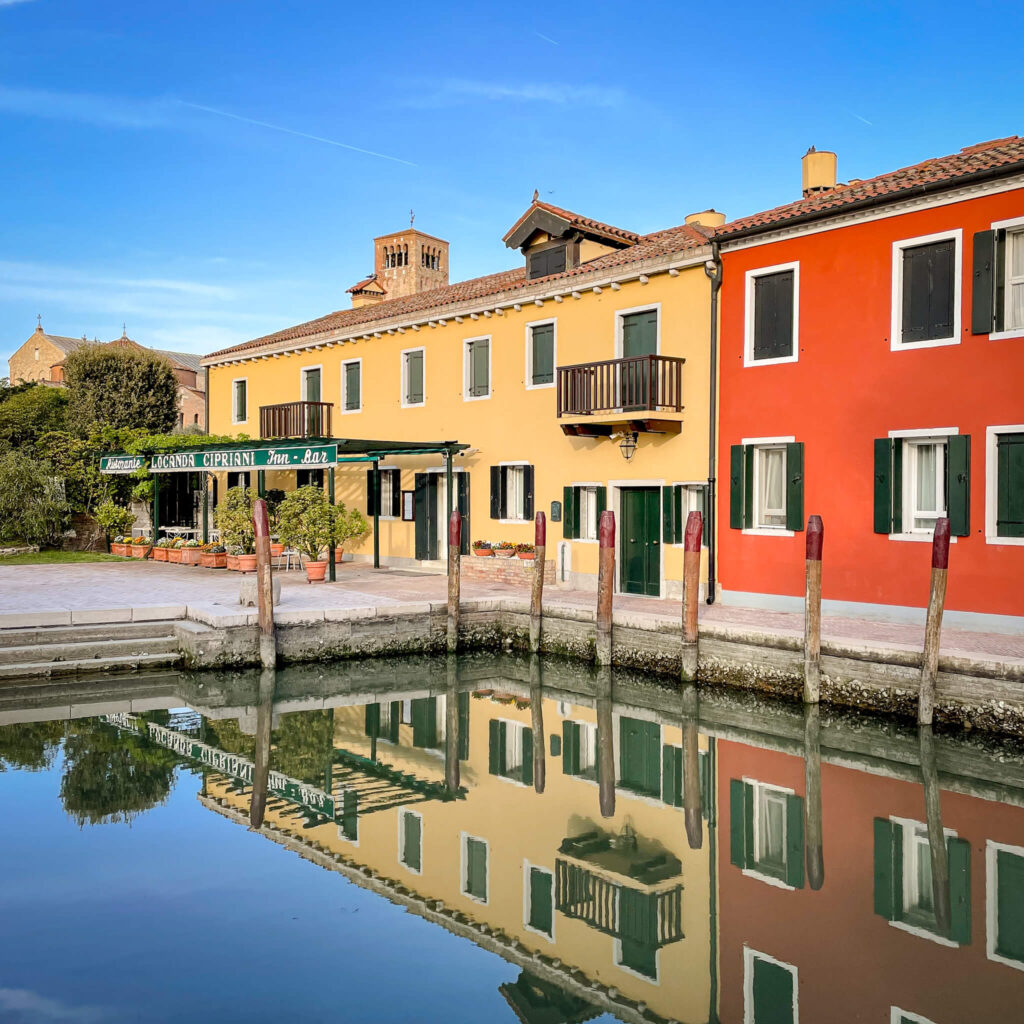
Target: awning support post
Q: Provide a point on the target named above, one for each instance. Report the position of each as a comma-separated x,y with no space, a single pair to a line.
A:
331,557
449,495
206,508
376,513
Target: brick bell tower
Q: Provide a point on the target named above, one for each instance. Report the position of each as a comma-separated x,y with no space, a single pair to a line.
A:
404,263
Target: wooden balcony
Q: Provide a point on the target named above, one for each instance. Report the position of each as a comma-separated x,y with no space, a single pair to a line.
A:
626,394
295,419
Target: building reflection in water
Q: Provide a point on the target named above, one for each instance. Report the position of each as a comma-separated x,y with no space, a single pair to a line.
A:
569,822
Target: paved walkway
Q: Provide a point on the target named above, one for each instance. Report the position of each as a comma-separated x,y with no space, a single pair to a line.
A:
122,591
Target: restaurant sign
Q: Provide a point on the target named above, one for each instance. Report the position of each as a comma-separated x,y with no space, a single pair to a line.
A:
121,463
282,457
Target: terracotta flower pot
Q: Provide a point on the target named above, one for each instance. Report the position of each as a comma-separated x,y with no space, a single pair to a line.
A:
174,555
116,549
276,550
190,556
213,559
246,563
483,552
527,556
338,553
315,572
231,562
160,554
139,550
504,552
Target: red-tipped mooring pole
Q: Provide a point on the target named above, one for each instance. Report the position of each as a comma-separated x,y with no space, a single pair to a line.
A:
264,584
537,589
812,611
691,585
933,624
454,578
605,584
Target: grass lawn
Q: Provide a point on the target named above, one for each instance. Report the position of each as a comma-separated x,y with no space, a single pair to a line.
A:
59,558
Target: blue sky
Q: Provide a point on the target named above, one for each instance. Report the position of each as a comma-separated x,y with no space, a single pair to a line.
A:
210,171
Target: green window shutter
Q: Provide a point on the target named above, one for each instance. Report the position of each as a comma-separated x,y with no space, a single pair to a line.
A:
672,775
528,492
736,488
600,501
541,916
424,722
570,748
737,832
748,486
640,756
413,378
497,504
706,791
396,492
352,386
983,287
795,486
668,520
640,334
928,276
883,485
959,856
372,493
412,850
795,841
240,400
543,343
350,815
958,484
494,747
555,745
527,775
773,315
372,723
479,366
396,720
1010,485
464,726
568,509
748,825
772,992
1010,905
888,869
476,868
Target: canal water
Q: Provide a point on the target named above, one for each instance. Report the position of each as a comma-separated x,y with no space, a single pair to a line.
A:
497,839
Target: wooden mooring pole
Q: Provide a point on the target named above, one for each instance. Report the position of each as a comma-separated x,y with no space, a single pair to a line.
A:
812,611
605,742
537,722
691,588
605,586
814,856
933,624
454,578
264,584
537,588
692,813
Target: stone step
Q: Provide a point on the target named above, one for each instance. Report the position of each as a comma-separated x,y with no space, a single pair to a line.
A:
98,650
125,663
32,636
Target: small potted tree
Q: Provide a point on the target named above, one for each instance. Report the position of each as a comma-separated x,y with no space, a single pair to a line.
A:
273,498
350,526
234,520
308,522
116,520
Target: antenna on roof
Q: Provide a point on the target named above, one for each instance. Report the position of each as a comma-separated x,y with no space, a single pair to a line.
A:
124,330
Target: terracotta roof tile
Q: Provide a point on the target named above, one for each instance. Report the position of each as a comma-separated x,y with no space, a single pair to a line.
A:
360,285
996,156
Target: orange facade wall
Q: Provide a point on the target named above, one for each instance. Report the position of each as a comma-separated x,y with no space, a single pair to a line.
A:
848,388
852,964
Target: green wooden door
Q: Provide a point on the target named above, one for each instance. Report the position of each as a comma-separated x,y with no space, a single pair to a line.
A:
640,550
640,756
639,338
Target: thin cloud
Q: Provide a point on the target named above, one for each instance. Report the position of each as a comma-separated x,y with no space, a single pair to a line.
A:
460,90
292,131
112,111
864,119
11,3
41,274
547,39
22,1006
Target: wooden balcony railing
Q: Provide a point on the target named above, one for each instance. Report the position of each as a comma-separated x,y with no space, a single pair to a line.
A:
636,384
296,419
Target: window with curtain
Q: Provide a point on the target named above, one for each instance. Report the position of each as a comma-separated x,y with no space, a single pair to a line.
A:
770,467
924,484
1015,280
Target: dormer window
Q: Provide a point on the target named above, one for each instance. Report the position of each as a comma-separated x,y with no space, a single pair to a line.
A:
549,260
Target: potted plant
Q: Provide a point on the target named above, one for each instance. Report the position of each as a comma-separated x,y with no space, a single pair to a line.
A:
190,552
160,549
504,549
117,545
174,550
115,519
213,556
526,551
482,549
351,525
273,497
308,522
140,547
232,551
234,520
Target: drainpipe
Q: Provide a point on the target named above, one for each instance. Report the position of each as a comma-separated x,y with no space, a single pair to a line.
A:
713,268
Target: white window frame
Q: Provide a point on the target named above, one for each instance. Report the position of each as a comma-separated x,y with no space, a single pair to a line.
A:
765,531
388,472
759,788
992,848
749,956
514,731
466,396
992,484
529,326
1013,226
690,486
234,400
520,463
921,536
406,352
750,279
344,386
303,370
527,866
896,343
620,314
897,1016
402,812
588,486
464,838
905,926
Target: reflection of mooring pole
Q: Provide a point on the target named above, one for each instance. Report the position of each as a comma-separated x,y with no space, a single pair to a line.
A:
936,836
264,584
814,854
691,767
537,722
451,724
261,762
605,742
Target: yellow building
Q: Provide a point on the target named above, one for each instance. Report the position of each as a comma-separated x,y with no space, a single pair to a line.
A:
548,372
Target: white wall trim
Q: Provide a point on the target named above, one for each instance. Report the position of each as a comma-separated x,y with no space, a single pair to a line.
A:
303,370
620,313
464,838
404,377
344,386
748,313
466,342
896,319
528,338
527,865
992,848
897,1016
992,484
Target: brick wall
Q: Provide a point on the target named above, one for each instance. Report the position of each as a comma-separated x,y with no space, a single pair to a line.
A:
512,570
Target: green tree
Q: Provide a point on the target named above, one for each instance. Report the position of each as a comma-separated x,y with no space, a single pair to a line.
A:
32,505
28,411
30,746
119,387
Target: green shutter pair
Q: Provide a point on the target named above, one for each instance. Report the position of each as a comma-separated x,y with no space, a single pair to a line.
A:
640,756
372,720
673,518
741,486
570,748
571,526
424,722
672,775
741,832
888,896
888,500
497,757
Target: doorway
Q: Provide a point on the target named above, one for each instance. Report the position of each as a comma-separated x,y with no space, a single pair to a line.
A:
640,541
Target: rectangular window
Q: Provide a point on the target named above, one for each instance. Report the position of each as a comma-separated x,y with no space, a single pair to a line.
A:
539,896
478,368
474,868
1014,286
238,480
547,261
410,840
582,505
771,315
412,377
770,487
390,493
677,502
512,492
1009,459
766,831
352,386
1005,898
311,384
309,478
769,990
240,402
579,750
510,751
588,513
924,484
640,756
541,369
926,291
766,486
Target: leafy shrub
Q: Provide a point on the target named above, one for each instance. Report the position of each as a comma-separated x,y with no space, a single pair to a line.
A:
114,518
32,505
308,522
234,519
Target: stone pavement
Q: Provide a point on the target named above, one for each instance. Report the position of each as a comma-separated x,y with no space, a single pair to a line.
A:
85,592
